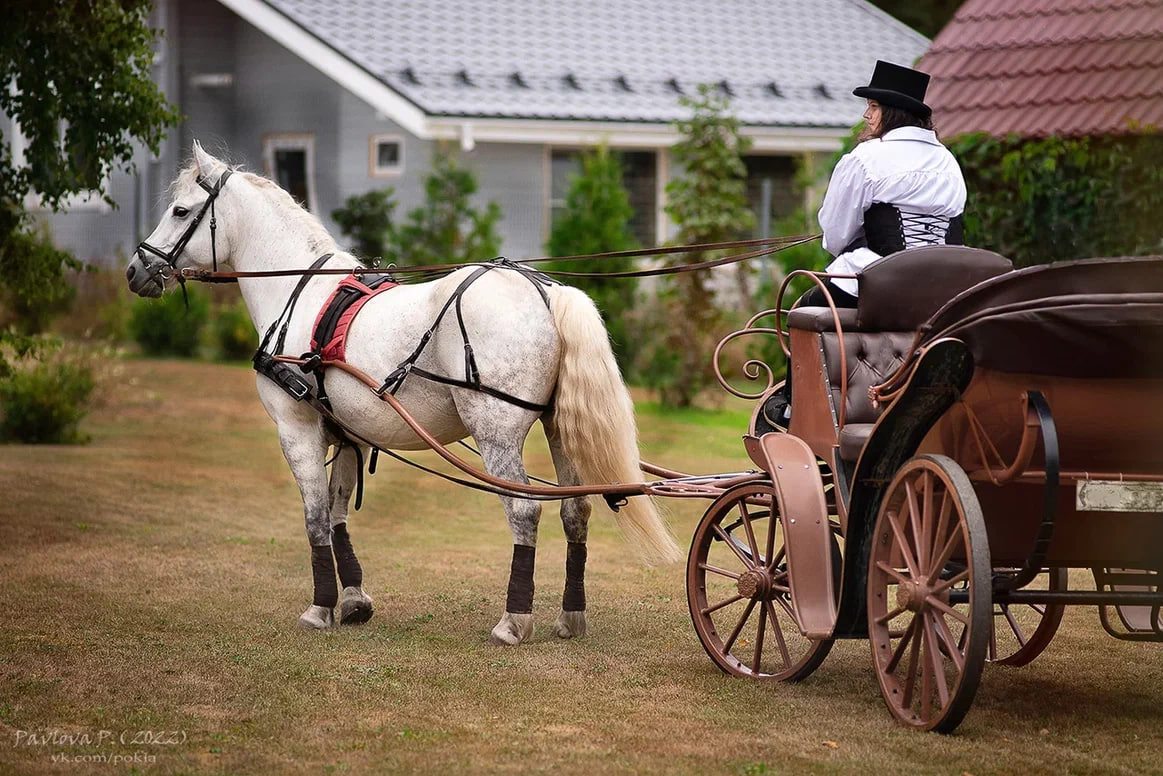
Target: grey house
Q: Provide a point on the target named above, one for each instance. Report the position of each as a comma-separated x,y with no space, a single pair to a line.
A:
336,97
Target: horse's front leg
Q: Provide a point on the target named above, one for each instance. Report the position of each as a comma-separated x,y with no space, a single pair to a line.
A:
355,606
503,459
305,448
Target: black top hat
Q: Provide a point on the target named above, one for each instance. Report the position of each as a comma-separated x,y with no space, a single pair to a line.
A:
898,87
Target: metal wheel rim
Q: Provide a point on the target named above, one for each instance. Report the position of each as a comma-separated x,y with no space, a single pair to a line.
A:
1032,627
729,630
929,616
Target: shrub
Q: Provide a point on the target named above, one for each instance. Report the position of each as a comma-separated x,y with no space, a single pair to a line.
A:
166,327
33,284
43,402
367,219
597,220
234,336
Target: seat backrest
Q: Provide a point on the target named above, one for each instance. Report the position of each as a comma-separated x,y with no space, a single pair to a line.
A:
871,357
902,290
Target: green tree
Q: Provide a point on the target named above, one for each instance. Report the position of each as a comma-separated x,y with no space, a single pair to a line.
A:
709,204
927,17
597,220
367,219
446,228
75,78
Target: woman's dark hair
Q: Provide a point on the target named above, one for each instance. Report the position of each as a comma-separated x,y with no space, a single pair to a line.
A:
894,118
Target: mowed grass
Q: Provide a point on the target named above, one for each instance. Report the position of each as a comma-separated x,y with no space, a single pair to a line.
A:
151,581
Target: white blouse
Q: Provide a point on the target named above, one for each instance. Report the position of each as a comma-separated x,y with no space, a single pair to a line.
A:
908,168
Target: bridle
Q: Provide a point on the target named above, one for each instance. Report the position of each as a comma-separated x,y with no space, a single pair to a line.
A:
168,266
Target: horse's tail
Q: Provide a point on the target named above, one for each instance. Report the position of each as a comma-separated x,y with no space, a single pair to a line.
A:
595,417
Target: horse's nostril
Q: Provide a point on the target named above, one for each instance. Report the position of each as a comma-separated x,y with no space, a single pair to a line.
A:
129,273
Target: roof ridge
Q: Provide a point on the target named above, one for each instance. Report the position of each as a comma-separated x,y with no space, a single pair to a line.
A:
882,15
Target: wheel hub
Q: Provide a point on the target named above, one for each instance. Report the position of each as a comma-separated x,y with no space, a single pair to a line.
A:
755,584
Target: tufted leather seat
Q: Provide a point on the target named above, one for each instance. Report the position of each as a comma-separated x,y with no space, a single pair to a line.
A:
897,294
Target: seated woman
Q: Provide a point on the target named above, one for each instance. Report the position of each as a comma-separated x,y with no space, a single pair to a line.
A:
898,188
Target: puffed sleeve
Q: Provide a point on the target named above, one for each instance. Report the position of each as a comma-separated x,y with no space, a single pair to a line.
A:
849,195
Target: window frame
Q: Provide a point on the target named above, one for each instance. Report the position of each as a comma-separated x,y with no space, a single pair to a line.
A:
292,141
374,169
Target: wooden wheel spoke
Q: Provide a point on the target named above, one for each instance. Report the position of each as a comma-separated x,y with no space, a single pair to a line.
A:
750,531
900,648
739,627
945,584
937,603
942,524
887,569
730,542
785,604
779,639
759,639
721,604
882,619
946,637
779,556
925,540
936,668
915,520
1017,629
946,552
903,545
717,570
914,655
769,548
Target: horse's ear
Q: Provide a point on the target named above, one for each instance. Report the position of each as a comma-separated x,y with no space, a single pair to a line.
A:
204,161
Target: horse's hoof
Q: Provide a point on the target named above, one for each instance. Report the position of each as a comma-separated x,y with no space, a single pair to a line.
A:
512,629
570,625
317,618
355,606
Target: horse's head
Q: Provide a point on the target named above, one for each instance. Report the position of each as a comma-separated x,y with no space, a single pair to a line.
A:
188,235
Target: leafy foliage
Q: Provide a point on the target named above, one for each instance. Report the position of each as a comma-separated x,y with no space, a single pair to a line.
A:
33,283
597,220
446,229
165,327
1053,199
709,204
43,401
82,93
367,219
234,335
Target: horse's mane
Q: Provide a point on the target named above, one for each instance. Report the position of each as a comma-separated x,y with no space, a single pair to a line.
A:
319,237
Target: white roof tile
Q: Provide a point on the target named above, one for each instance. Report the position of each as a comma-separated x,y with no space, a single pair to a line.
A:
799,45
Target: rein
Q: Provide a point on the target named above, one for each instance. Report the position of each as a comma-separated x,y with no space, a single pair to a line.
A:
764,246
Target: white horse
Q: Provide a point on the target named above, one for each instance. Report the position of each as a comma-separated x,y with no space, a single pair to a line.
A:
555,354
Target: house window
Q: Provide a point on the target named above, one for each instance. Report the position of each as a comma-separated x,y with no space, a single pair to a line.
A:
639,177
771,191
290,162
386,155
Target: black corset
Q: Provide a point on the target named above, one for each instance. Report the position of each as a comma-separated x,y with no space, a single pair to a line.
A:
888,229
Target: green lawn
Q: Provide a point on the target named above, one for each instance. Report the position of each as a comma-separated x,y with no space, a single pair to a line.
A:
152,580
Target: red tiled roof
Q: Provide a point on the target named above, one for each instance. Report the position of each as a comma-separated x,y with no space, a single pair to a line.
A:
1041,67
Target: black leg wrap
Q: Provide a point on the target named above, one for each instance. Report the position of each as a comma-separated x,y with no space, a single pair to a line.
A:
574,599
350,572
520,600
323,569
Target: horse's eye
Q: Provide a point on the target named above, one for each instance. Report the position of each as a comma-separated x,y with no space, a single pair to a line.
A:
180,212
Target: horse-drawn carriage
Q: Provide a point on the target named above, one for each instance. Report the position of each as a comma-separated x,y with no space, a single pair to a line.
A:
957,443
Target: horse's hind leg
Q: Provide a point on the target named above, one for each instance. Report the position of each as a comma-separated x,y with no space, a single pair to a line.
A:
504,460
575,519
355,606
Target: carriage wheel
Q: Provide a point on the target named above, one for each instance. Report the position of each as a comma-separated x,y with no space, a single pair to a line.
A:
929,594
737,590
1022,631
